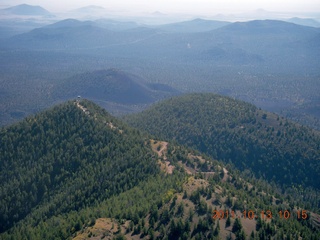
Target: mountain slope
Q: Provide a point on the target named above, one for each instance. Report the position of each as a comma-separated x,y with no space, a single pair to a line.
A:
68,158
238,133
74,171
182,206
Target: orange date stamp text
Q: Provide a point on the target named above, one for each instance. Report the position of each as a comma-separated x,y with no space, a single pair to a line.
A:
267,214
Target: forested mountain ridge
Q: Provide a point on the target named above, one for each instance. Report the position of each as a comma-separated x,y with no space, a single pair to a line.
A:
74,171
68,158
183,206
238,133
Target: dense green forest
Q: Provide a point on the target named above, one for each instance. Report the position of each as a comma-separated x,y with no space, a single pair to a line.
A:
173,206
66,159
76,172
238,133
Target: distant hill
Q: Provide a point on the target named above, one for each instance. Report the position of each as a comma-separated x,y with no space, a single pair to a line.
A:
69,23
90,8
89,12
238,133
118,91
255,43
63,35
268,38
112,85
305,22
74,34
101,23
25,9
116,25
196,25
265,27
240,42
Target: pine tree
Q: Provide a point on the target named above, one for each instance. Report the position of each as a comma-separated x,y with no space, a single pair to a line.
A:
237,226
217,230
228,221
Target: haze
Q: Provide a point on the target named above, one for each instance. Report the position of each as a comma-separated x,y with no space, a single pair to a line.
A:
178,6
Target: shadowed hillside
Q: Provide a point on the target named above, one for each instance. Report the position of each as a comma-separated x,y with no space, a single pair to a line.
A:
238,133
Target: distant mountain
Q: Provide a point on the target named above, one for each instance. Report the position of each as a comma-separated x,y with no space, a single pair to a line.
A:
62,35
196,25
89,12
90,9
259,41
100,23
238,133
264,27
252,42
69,23
305,22
246,40
25,9
116,25
74,34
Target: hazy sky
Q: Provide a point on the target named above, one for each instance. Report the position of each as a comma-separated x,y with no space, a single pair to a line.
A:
177,6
